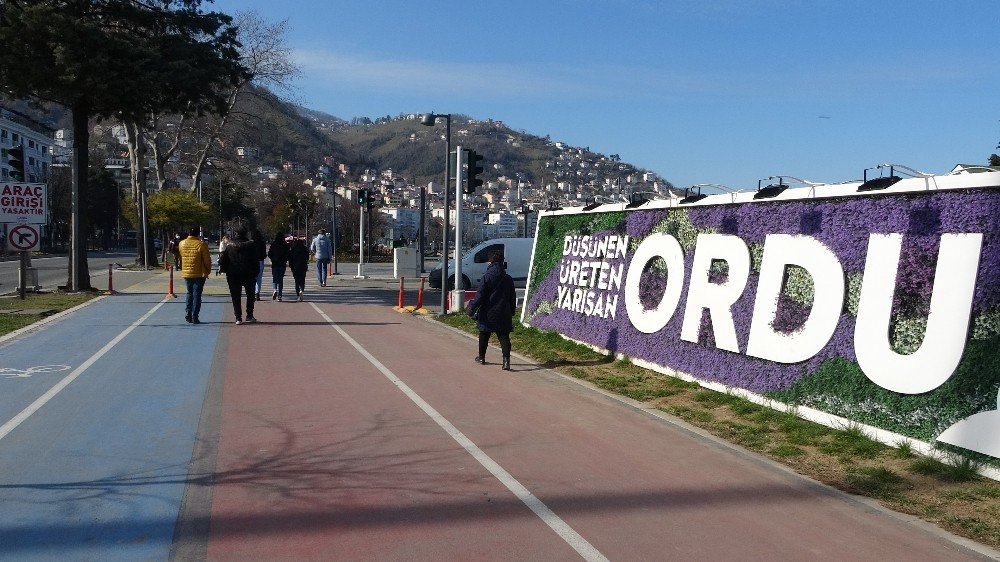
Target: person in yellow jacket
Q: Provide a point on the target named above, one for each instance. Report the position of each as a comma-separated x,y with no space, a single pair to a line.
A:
196,265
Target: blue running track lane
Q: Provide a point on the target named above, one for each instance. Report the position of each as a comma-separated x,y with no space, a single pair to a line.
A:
98,471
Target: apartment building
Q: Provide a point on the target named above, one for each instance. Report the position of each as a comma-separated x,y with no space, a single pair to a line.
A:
18,131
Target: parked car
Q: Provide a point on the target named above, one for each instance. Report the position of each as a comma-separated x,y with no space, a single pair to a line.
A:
517,257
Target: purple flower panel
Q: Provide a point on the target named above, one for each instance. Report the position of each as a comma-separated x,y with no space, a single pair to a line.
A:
842,225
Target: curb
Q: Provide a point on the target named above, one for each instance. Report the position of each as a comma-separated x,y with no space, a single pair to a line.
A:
48,320
698,433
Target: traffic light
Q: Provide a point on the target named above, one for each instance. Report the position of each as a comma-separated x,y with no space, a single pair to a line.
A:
473,159
362,196
15,159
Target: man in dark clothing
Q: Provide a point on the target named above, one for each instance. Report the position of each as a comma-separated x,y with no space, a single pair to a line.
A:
493,308
240,264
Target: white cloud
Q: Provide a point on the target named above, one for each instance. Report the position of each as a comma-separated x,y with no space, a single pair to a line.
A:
423,77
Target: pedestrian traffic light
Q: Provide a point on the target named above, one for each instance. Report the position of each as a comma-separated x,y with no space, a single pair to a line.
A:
362,196
473,158
15,159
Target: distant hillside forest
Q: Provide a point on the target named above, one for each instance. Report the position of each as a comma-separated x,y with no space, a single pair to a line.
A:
284,132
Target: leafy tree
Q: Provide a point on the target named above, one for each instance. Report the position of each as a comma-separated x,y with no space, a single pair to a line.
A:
994,160
227,199
102,209
176,210
103,58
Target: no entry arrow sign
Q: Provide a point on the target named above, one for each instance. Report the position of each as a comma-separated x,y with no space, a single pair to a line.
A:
23,237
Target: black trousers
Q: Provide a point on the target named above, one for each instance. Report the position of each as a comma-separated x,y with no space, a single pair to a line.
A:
238,286
300,280
484,342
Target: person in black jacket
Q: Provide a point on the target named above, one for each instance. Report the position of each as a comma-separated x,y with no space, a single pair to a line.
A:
298,262
240,264
278,253
493,308
260,247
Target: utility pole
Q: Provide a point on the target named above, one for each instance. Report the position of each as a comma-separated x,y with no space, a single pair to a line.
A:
363,201
420,227
458,293
336,240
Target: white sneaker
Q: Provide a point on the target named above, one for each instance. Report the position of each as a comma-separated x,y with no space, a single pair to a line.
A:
238,322
300,298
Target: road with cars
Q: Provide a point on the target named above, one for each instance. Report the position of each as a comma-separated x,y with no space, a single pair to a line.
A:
52,271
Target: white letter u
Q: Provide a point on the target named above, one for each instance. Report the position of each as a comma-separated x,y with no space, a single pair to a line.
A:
947,322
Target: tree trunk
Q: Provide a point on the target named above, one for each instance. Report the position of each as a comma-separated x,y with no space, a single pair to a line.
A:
79,273
162,155
137,152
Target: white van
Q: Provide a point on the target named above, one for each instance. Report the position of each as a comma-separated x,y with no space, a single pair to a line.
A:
516,253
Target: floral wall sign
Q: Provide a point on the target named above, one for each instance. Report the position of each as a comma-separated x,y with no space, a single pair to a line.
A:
880,308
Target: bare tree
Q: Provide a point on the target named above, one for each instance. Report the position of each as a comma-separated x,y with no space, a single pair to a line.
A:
264,53
267,59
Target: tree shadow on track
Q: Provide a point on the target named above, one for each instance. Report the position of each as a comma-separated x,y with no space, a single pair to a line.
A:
352,482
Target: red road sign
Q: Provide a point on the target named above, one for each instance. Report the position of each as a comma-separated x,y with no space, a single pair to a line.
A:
23,237
23,203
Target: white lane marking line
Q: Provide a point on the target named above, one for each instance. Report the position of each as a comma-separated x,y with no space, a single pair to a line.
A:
572,538
20,418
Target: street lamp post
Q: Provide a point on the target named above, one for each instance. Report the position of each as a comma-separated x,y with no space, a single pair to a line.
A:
421,227
429,119
336,240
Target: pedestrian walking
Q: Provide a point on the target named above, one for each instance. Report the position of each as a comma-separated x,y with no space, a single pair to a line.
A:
278,254
298,262
197,266
239,263
322,249
223,242
173,247
260,247
493,308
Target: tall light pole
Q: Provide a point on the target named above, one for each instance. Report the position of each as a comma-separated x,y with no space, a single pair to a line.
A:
429,119
336,237
421,227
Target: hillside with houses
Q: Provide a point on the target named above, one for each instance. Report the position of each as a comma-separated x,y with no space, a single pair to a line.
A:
271,154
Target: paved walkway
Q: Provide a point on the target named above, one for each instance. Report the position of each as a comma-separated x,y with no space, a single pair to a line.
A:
339,429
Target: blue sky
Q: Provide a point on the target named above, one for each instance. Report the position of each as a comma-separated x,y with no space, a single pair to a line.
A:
699,91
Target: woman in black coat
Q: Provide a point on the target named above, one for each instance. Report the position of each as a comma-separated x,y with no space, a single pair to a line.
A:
298,262
239,263
493,308
278,252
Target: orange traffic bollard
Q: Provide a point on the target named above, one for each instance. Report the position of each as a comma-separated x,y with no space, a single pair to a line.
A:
420,294
170,286
402,298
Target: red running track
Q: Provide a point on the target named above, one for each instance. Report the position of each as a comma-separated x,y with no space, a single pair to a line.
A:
323,455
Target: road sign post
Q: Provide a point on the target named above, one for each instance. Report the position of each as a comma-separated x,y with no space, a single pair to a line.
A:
23,203
23,238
